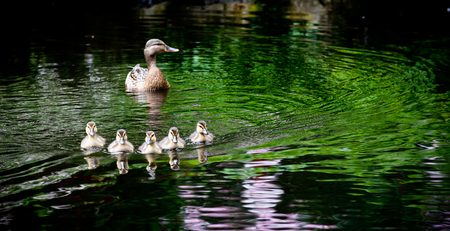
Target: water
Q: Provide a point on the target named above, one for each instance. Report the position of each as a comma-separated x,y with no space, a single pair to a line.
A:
317,125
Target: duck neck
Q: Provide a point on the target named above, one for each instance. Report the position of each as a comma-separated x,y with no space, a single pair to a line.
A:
150,59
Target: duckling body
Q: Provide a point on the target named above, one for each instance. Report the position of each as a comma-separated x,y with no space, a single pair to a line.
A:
173,140
201,134
121,144
92,140
150,145
150,79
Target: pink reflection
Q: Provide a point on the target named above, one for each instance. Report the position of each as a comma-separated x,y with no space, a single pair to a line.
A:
220,209
313,226
255,209
261,196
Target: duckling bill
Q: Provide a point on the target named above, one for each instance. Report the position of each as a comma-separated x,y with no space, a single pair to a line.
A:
121,144
150,79
92,140
201,133
173,140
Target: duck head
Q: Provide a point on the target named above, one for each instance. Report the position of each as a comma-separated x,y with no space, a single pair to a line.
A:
150,137
201,128
121,136
174,135
91,129
155,46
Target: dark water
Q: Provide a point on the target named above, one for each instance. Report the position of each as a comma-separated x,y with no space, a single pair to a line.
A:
318,124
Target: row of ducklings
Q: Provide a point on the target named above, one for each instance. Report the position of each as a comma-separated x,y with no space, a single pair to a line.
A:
121,144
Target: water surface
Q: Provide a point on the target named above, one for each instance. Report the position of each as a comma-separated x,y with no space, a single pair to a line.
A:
317,125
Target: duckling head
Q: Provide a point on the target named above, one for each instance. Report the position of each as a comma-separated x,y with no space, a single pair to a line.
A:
174,135
121,136
201,128
150,137
155,46
91,129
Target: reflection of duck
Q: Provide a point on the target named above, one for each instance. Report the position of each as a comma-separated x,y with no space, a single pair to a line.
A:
174,161
92,162
150,145
202,155
153,99
92,140
151,158
173,140
201,134
121,144
122,163
141,79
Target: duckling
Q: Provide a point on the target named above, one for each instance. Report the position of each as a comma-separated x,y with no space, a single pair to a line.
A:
202,134
92,140
121,144
140,79
150,145
173,140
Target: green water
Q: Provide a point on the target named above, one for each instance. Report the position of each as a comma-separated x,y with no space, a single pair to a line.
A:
317,126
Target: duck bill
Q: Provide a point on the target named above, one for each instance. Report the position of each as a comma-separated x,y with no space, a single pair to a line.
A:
122,141
170,49
205,131
149,141
175,139
91,132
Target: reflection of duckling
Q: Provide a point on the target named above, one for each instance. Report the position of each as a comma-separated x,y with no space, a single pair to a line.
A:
92,140
173,140
92,162
202,155
151,158
174,161
150,145
141,79
121,144
201,134
122,163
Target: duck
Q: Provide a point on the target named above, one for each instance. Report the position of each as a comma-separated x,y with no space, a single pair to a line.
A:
150,145
150,79
121,144
92,140
173,140
201,134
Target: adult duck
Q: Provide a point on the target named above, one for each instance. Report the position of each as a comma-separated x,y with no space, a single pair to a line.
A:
150,79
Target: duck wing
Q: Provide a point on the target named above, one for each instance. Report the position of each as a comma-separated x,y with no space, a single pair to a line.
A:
194,136
164,142
136,75
142,147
